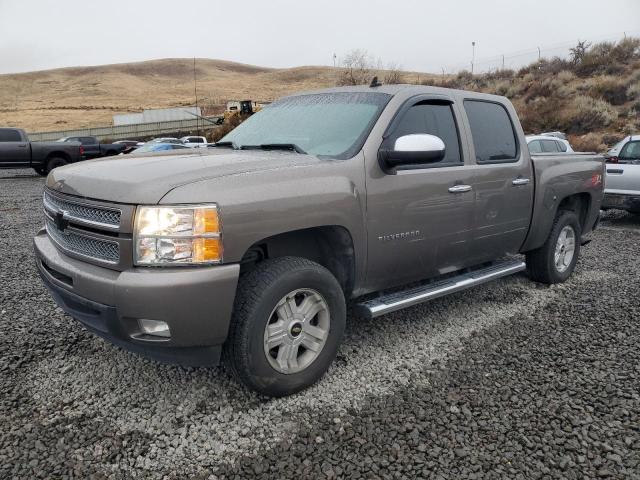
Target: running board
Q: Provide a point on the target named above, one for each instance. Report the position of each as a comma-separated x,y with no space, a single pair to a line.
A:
413,296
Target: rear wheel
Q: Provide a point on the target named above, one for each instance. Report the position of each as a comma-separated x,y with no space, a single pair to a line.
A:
555,261
288,321
55,162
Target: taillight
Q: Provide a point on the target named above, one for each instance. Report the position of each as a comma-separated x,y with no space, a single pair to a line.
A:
81,150
612,160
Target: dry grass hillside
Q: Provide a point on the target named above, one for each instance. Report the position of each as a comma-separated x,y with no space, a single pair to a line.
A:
89,96
594,95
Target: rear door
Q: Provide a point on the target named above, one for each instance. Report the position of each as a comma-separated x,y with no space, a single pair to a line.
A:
502,181
418,223
14,150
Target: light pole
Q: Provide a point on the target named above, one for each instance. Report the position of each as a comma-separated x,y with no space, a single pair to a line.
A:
473,55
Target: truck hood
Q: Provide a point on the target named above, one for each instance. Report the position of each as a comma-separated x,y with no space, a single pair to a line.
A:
145,180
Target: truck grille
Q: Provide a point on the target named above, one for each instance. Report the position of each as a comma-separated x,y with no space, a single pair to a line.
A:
104,250
86,214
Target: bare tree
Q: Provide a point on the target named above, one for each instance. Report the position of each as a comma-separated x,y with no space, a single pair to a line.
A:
393,74
579,51
358,67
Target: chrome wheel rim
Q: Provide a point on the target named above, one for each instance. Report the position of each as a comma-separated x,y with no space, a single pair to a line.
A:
296,331
565,249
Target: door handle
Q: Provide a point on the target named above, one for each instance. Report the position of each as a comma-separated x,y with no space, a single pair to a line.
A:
460,188
22,145
520,181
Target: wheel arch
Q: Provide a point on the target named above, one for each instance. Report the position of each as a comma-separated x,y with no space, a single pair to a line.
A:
331,246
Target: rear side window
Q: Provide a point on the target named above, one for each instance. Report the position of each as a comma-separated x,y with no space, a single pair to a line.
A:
493,136
87,140
10,136
550,146
434,119
562,147
195,140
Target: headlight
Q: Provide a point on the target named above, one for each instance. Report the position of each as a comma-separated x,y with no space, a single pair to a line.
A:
177,235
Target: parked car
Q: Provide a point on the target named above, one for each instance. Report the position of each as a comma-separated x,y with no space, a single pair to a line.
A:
547,144
16,151
129,145
623,176
158,147
194,142
251,249
166,140
93,148
614,152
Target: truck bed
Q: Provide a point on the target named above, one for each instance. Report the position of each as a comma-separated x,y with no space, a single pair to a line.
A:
558,175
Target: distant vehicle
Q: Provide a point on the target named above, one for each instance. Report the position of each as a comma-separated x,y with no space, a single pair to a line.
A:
93,148
613,154
194,142
548,144
622,185
16,151
166,140
559,135
158,147
129,145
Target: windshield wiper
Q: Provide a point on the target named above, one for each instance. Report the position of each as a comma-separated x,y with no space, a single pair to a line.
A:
275,146
233,145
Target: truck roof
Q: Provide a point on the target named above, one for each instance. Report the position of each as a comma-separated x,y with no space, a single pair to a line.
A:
404,89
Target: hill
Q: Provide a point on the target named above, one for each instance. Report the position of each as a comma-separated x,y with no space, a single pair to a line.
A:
89,96
594,95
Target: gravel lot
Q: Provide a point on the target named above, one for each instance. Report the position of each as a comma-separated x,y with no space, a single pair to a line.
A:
510,380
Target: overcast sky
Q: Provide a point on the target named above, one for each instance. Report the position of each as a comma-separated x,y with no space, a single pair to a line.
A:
419,35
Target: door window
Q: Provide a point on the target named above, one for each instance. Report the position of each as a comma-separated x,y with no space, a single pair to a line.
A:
550,146
631,151
535,146
493,136
10,136
435,119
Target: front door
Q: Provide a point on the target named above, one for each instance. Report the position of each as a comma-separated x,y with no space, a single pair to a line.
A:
420,220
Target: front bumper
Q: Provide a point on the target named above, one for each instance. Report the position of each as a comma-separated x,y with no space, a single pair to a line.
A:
621,201
196,303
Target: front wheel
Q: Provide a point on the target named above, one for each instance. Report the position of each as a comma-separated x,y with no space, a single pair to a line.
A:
555,261
55,162
41,171
288,321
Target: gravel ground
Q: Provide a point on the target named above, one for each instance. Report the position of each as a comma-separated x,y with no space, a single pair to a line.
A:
509,380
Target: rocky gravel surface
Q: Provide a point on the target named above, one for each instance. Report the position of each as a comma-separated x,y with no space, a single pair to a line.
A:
510,380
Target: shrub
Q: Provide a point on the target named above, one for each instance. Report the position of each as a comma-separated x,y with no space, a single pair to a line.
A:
610,89
565,76
591,142
584,114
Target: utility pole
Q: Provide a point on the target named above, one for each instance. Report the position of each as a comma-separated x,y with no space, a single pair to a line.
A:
195,93
539,55
334,60
503,61
473,55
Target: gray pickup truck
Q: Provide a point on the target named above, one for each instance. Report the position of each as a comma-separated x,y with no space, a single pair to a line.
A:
248,252
16,151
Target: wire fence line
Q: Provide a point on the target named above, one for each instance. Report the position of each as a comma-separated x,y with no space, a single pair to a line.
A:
517,59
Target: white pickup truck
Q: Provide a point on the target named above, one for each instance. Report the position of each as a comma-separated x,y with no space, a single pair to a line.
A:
622,186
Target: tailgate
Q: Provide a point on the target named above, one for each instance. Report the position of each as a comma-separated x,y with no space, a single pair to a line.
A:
623,179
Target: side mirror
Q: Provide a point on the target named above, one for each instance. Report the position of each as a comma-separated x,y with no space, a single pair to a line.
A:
414,149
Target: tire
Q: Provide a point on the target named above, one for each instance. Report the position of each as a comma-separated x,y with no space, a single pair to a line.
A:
543,265
55,162
41,171
259,293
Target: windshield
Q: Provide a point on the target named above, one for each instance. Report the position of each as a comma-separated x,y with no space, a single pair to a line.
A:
327,124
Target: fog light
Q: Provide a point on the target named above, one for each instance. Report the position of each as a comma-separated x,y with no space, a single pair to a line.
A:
155,327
